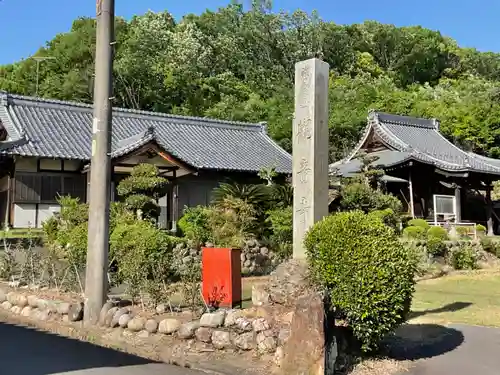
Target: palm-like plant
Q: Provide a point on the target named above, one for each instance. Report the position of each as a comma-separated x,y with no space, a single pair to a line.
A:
257,195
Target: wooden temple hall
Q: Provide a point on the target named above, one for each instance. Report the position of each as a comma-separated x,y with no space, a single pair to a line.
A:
434,179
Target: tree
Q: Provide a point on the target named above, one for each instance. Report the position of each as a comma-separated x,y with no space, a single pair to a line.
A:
238,64
142,189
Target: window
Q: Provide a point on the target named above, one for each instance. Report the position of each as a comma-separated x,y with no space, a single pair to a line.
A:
444,208
39,187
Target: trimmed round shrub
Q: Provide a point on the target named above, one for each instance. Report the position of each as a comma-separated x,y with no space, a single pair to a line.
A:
419,223
463,231
366,271
480,229
414,233
437,232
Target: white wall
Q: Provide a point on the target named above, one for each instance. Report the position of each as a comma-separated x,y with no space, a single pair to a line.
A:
24,215
45,211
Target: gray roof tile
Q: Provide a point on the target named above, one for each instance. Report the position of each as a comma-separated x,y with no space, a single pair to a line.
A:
418,139
63,130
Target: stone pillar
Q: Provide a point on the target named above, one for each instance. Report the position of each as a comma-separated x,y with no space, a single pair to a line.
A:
310,149
489,211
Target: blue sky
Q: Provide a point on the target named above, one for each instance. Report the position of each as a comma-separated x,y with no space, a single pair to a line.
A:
28,24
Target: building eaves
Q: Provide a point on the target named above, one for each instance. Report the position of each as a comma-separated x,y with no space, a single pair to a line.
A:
60,129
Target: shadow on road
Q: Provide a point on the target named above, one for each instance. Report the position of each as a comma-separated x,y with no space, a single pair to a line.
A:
25,351
451,307
418,341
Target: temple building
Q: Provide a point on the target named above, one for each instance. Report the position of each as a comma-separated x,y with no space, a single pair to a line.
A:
435,179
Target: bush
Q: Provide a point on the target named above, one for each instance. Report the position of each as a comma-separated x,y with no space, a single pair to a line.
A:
388,217
421,223
491,246
463,257
231,221
480,229
143,253
368,274
414,233
360,196
435,241
436,246
194,224
437,232
281,223
257,195
463,231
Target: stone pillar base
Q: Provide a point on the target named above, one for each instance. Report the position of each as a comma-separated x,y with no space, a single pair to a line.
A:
303,353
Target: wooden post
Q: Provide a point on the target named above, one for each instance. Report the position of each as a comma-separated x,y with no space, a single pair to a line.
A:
458,205
489,210
410,187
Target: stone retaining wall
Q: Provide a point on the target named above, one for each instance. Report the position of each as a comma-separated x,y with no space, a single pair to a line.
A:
256,257
257,330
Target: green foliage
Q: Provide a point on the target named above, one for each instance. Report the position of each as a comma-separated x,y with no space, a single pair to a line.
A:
436,246
66,233
480,229
350,247
231,221
194,224
73,212
142,189
361,196
463,257
388,217
419,223
237,63
435,241
255,195
463,231
143,253
281,224
490,245
416,233
437,232
281,195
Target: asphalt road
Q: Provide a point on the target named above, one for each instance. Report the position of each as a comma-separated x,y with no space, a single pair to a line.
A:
25,351
467,350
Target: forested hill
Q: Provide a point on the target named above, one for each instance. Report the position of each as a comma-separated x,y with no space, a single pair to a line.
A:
238,64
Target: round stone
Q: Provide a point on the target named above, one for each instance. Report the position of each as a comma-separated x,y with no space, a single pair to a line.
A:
169,326
151,326
136,324
124,320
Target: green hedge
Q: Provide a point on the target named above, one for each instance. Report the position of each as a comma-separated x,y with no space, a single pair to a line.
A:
367,272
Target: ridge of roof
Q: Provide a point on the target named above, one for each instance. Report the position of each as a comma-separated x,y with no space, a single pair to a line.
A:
15,99
133,142
407,120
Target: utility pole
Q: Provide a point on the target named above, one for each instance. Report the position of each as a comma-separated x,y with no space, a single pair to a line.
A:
39,59
100,167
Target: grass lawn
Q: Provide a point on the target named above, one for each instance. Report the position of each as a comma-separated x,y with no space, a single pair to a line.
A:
469,298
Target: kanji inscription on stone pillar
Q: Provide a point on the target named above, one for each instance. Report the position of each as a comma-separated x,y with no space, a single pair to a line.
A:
310,149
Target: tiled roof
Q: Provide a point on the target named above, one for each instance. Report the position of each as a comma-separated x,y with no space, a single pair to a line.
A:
57,129
420,139
385,158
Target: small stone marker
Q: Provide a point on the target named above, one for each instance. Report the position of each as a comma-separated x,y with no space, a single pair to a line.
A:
310,149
